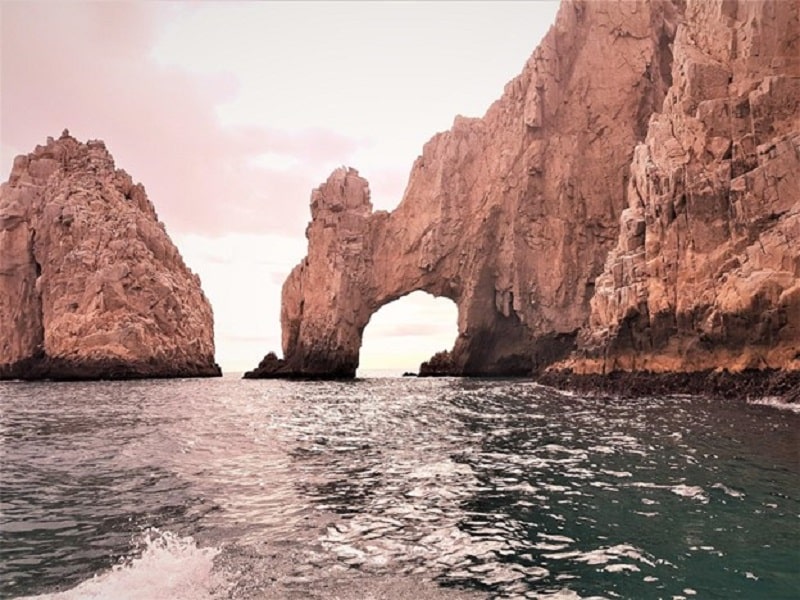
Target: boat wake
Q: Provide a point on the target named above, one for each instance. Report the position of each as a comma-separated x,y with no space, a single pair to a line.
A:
164,567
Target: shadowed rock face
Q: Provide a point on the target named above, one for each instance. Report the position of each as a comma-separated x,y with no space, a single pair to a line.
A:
511,216
90,284
630,203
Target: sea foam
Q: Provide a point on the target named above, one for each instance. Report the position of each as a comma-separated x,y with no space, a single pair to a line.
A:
169,568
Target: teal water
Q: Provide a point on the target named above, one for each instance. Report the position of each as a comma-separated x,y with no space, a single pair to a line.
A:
392,488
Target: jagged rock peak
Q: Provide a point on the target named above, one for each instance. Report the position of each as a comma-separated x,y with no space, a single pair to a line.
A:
344,190
91,286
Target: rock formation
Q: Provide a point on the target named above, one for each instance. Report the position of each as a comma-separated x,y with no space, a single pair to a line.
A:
630,202
510,216
90,284
706,270
440,364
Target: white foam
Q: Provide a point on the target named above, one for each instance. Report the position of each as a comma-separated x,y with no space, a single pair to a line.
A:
556,538
775,402
621,567
731,492
695,492
170,568
617,473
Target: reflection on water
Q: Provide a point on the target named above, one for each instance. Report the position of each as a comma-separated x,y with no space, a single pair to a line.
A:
397,488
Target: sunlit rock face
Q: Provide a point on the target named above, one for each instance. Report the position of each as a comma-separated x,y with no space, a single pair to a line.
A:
630,203
511,216
90,284
706,270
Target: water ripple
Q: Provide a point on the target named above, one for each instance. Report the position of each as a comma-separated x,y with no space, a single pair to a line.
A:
397,488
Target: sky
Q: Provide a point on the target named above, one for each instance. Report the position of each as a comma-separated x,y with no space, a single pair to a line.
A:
230,113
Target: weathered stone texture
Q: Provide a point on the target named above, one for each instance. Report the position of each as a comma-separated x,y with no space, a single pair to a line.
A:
630,203
510,216
90,284
706,272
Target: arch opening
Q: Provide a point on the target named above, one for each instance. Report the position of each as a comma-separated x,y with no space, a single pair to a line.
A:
405,332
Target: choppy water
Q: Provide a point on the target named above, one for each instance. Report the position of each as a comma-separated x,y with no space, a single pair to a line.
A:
392,488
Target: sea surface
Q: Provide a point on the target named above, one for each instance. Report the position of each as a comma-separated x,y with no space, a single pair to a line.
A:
392,488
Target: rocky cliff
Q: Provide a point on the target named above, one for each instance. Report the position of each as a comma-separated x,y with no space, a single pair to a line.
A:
706,270
511,216
90,284
633,193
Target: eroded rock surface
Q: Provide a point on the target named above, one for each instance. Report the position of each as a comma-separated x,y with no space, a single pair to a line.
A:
630,203
510,216
90,284
706,272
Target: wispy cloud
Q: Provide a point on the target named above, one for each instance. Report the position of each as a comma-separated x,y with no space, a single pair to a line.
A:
88,67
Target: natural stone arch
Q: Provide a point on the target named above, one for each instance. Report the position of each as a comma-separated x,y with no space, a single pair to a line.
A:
511,215
404,333
360,260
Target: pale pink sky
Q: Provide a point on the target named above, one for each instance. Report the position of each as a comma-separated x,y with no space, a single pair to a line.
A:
231,113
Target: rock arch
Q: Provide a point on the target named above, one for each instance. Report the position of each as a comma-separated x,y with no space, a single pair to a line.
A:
511,216
360,260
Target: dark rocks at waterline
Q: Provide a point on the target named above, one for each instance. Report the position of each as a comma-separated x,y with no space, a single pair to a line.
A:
747,384
272,367
44,367
439,365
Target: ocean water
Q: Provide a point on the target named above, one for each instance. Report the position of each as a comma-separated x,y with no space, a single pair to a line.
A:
392,488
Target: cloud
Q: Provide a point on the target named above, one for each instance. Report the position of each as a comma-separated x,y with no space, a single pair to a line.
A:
88,67
424,327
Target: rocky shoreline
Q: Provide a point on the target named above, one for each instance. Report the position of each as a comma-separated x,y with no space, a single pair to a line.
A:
744,385
59,369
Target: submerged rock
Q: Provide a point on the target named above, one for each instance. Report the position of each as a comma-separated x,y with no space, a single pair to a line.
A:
90,284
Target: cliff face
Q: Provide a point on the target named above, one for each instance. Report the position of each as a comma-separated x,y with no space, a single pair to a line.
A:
630,202
706,271
90,284
510,216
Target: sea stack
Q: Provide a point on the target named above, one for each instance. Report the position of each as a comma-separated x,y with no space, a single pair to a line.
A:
631,204
91,286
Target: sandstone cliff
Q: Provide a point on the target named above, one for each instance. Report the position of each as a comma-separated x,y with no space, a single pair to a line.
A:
633,195
90,284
